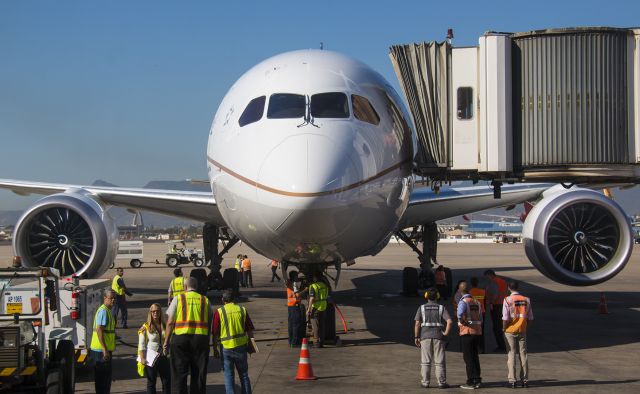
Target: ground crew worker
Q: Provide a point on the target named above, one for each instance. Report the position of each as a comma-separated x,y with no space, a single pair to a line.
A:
441,282
274,267
318,294
478,294
233,330
103,343
516,319
174,249
470,326
246,271
117,285
294,313
176,287
150,338
496,290
188,329
238,265
430,338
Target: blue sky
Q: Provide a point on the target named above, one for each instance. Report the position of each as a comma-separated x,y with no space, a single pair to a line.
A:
125,91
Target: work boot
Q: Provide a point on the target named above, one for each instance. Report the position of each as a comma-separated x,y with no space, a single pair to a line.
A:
443,386
525,384
512,385
424,385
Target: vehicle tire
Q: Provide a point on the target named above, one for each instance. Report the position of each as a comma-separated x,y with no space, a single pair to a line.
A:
65,358
172,261
409,281
135,263
53,385
113,264
230,279
198,262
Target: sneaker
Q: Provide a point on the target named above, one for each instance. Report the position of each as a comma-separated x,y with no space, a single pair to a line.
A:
525,384
468,387
477,385
512,385
443,386
424,385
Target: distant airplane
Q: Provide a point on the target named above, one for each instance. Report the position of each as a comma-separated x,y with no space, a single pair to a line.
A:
310,162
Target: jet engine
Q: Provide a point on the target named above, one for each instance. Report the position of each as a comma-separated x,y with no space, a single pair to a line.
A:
577,237
68,231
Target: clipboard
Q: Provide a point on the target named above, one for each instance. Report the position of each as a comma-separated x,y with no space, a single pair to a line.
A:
152,357
252,346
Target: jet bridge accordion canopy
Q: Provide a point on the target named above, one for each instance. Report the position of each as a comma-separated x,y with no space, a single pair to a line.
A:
554,105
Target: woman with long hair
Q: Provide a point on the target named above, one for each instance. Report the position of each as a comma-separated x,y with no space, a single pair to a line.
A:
151,337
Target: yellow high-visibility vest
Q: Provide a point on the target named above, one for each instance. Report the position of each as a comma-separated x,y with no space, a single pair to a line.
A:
177,286
192,314
108,334
116,287
232,321
237,265
320,294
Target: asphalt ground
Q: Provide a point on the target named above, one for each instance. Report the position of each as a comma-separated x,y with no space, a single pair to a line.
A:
572,348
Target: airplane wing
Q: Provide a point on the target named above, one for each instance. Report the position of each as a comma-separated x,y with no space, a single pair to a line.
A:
427,206
200,206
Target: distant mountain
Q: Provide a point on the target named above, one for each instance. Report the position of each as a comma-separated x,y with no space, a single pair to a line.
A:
102,183
9,218
178,185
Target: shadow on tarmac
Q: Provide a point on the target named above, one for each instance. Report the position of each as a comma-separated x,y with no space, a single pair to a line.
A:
389,315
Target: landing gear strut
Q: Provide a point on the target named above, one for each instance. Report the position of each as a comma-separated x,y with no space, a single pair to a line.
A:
211,235
411,278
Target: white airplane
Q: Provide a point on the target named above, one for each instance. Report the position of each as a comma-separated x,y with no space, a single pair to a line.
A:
310,160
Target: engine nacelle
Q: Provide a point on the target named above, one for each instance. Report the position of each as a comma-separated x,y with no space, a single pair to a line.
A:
68,231
577,237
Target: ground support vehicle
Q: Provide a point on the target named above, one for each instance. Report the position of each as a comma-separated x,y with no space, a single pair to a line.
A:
132,251
45,328
180,256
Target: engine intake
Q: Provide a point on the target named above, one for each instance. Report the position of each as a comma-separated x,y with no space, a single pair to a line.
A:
578,237
68,231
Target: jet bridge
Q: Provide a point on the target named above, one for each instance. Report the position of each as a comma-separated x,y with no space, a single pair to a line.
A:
557,105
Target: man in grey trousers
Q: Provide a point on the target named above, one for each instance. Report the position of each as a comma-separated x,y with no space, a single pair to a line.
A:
433,324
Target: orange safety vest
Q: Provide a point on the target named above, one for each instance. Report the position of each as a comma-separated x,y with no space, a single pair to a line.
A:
478,295
441,278
246,265
292,300
501,284
518,311
472,316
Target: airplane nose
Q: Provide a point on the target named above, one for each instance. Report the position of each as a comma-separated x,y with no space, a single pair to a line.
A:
308,165
302,175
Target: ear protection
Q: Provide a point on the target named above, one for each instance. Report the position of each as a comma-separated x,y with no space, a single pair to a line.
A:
426,295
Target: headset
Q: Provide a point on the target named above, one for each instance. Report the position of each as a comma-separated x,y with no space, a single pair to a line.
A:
426,295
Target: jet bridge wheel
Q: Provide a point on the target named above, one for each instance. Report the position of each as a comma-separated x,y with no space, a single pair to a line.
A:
409,281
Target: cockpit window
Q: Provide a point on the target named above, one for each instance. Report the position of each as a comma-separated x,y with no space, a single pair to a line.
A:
285,105
329,105
363,110
253,112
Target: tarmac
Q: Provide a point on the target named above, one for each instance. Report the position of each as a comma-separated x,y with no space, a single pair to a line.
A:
572,348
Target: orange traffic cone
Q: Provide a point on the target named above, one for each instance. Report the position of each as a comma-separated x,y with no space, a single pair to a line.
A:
305,372
602,307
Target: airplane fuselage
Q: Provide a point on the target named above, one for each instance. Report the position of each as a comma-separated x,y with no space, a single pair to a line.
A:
310,156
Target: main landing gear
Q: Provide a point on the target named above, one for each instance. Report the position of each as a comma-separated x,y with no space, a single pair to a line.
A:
412,278
211,236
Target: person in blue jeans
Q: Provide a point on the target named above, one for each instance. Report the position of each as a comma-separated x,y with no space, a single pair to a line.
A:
232,331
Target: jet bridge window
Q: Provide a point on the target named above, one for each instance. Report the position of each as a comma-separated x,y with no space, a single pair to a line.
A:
253,112
363,110
286,106
329,105
465,103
